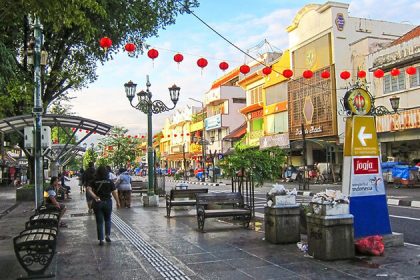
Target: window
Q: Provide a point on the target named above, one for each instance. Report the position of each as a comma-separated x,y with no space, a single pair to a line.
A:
239,100
415,79
392,84
277,123
256,95
276,93
257,124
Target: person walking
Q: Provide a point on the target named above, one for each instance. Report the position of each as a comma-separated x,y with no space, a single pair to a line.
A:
80,177
111,174
88,176
101,189
123,185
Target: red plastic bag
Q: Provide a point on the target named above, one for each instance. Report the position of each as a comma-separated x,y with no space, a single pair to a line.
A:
371,245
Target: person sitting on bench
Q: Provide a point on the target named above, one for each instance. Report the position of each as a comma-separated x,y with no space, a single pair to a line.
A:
51,201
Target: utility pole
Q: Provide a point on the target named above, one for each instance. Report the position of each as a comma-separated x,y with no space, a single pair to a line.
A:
37,112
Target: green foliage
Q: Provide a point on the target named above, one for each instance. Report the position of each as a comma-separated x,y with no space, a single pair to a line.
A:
263,165
124,150
72,30
90,156
62,135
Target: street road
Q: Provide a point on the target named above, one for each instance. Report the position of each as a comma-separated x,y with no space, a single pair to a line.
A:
403,219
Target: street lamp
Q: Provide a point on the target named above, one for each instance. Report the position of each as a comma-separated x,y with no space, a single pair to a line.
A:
203,140
150,107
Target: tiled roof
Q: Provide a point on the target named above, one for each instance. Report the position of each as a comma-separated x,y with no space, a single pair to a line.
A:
237,133
413,33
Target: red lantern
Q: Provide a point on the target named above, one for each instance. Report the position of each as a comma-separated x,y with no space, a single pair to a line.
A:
73,129
411,70
188,134
87,131
142,136
153,53
182,134
175,135
169,135
379,73
395,72
223,65
128,136
135,136
130,47
325,74
266,70
307,74
178,58
287,73
105,43
202,62
94,132
361,74
345,75
244,69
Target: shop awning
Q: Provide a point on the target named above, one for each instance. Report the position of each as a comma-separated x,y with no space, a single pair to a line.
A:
251,108
237,133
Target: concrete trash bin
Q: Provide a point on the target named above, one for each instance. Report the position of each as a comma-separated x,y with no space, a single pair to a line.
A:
330,237
282,224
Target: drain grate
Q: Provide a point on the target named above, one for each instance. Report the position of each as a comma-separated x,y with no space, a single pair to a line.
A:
80,214
168,270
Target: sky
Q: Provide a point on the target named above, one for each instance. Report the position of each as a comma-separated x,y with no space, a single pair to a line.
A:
246,23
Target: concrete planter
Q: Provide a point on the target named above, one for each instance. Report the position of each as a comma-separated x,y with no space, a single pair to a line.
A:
25,194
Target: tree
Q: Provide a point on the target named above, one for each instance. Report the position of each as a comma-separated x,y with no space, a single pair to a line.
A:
263,165
119,150
71,31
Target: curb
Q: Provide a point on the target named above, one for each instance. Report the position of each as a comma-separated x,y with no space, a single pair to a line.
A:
198,183
390,201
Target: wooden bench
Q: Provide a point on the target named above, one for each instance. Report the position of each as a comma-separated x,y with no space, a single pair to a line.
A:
182,197
35,250
231,205
49,220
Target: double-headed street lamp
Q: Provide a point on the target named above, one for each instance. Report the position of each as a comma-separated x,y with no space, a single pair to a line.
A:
150,107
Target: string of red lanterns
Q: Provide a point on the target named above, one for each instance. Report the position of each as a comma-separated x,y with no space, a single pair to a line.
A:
202,62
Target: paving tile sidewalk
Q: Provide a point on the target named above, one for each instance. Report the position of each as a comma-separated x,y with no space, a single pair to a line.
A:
149,240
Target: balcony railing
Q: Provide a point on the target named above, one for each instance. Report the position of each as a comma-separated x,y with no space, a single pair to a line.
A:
256,134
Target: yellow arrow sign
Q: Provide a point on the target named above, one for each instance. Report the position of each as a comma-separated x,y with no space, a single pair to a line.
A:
364,141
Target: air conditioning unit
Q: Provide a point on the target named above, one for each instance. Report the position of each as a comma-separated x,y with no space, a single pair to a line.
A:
29,137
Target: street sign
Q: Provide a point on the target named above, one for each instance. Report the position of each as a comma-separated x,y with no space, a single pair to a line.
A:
364,141
362,178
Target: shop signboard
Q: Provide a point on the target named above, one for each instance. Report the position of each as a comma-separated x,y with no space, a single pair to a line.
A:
407,119
213,122
277,140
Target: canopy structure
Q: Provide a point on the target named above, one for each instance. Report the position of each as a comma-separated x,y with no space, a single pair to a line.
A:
61,153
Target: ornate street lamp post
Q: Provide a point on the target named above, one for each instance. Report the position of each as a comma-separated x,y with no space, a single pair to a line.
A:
150,107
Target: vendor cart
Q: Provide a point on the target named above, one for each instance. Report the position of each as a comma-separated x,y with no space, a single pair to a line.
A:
405,175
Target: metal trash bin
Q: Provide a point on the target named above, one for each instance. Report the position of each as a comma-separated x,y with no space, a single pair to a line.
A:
282,224
330,237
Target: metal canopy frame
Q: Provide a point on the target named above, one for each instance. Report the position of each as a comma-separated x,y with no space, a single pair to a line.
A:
17,123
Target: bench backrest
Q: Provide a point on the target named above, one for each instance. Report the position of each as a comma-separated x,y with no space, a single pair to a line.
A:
220,198
190,193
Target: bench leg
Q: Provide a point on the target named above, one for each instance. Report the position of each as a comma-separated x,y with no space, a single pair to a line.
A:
35,259
200,221
247,219
168,211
